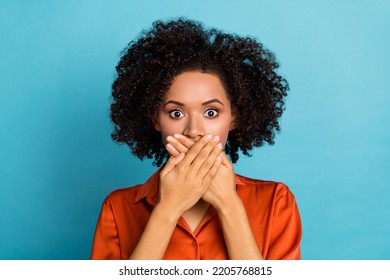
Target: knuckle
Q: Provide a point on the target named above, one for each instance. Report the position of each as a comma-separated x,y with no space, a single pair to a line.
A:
196,149
206,181
203,154
216,151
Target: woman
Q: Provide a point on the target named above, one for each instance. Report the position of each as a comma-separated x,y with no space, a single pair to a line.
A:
191,97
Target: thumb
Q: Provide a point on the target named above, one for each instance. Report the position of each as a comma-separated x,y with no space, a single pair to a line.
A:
225,160
171,163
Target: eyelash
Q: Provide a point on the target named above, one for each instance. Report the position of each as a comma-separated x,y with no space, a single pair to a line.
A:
172,112
212,109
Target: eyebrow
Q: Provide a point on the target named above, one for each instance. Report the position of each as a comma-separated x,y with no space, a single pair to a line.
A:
204,103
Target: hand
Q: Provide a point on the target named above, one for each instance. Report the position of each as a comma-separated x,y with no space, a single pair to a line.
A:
186,177
223,186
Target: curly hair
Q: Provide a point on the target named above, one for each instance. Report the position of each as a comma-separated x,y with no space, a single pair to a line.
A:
149,64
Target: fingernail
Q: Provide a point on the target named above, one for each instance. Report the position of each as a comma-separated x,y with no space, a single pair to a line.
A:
219,158
216,139
177,135
208,137
169,147
169,138
219,146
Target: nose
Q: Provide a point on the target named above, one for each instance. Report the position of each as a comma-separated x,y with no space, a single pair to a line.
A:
194,128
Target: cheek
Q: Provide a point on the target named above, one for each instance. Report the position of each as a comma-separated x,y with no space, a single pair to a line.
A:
222,130
168,128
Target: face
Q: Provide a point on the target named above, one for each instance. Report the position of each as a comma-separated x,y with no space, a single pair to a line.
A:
195,105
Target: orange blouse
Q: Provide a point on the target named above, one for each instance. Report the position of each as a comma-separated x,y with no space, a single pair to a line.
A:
271,209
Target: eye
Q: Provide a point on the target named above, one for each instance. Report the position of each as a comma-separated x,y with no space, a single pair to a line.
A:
211,113
176,114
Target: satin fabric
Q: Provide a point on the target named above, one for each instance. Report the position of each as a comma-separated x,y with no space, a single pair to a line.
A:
270,206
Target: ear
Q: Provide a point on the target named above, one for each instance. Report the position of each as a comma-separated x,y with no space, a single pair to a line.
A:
156,124
234,121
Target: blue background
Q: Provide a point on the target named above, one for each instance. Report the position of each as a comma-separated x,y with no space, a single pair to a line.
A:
58,161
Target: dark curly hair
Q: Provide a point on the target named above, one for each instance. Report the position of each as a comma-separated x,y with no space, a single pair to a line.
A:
149,64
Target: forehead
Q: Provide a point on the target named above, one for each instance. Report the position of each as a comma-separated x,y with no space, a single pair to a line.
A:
196,86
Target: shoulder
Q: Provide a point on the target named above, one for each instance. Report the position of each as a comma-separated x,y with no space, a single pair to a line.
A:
258,183
272,189
123,195
132,195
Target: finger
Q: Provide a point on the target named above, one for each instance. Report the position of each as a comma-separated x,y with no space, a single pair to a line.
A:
171,163
195,150
225,160
171,150
187,142
177,145
213,171
203,157
209,161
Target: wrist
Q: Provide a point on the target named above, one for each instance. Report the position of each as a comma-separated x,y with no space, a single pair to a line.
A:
233,203
166,214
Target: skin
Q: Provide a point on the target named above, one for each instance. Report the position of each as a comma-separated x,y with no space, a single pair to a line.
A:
195,105
194,120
